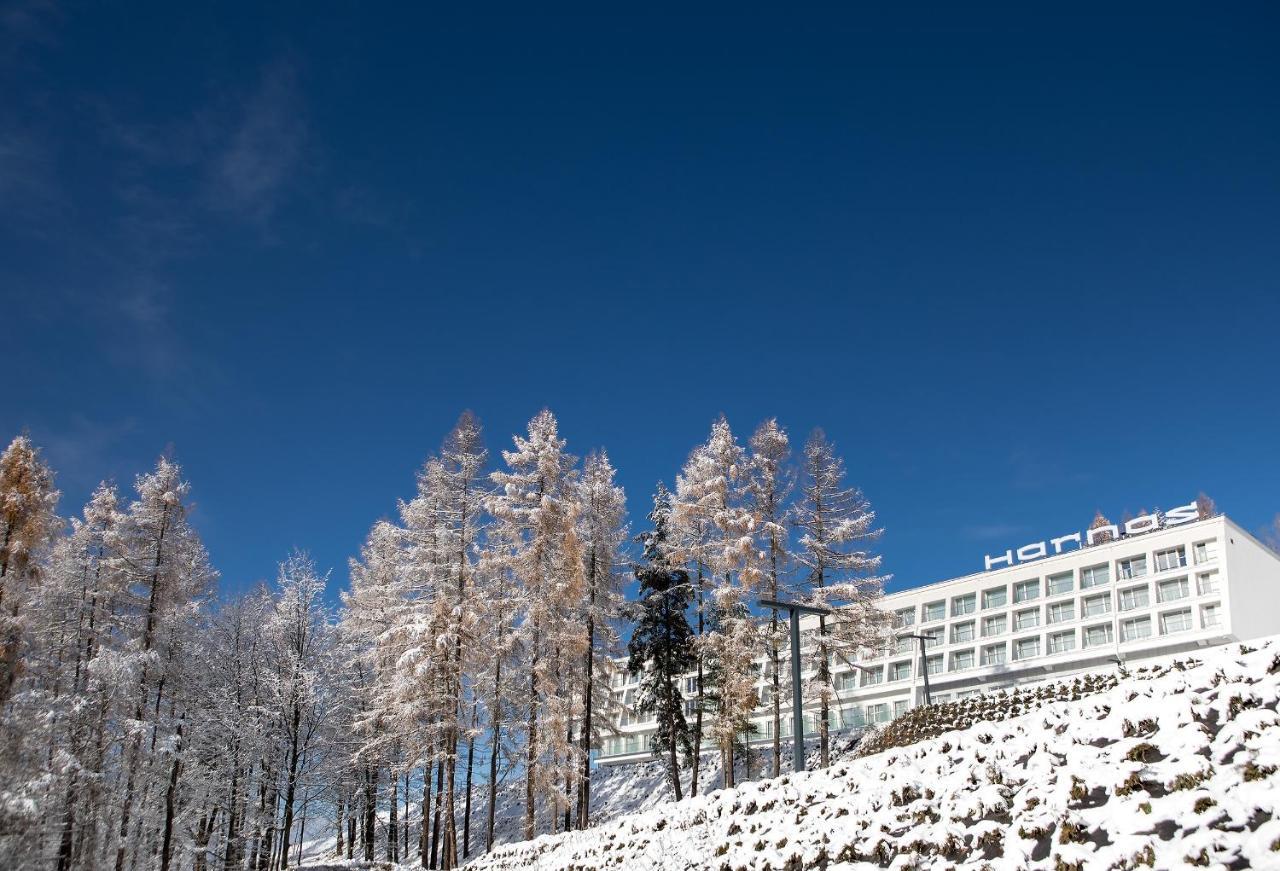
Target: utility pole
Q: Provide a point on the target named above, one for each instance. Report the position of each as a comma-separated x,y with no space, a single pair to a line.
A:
794,611
924,665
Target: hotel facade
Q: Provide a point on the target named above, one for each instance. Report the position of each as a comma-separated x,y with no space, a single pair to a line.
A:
1156,586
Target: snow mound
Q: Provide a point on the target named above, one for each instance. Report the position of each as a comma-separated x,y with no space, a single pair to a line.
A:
1175,766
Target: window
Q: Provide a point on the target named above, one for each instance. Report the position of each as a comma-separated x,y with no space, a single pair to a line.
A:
904,644
691,707
900,671
934,611
1059,584
1172,591
1098,636
873,676
1061,612
962,632
847,680
1092,606
899,708
933,665
1026,619
1094,576
994,625
994,598
994,654
962,660
1025,591
691,685
1211,616
1208,583
1134,597
1175,621
933,637
1061,642
904,617
1205,551
1135,629
962,605
1025,648
1173,558
878,713
1133,567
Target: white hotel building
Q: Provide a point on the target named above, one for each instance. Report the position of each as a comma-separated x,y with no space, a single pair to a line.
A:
1168,590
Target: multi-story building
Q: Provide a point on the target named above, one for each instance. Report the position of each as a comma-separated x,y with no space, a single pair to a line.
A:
1160,589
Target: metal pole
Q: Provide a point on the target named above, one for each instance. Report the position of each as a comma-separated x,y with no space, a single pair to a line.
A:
924,670
797,709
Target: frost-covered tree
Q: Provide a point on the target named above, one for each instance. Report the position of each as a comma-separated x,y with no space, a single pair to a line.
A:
717,532
535,509
769,488
836,525
661,649
300,644
169,579
602,530
28,521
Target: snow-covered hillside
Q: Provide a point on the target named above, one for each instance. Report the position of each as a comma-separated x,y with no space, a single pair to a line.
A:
1174,766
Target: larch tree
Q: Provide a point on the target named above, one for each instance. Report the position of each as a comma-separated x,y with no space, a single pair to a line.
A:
836,526
300,645
711,501
169,579
536,509
28,522
769,488
602,530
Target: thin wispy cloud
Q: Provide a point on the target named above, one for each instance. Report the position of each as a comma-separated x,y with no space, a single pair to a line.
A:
993,531
253,170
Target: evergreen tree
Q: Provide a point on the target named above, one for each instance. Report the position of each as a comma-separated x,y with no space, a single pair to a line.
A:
661,649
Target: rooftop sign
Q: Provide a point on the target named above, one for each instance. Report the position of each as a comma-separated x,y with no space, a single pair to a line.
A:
1136,526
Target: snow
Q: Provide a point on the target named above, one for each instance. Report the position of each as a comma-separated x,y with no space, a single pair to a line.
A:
1174,766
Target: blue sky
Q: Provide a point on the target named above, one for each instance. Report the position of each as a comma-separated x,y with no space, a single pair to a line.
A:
1020,264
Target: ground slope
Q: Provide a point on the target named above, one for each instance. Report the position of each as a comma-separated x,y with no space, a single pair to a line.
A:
1174,766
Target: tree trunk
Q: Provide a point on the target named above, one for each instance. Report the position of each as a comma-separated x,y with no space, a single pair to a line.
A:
340,819
435,824
531,745
471,761
392,823
697,714
584,785
496,715
425,833
171,802
370,810
824,677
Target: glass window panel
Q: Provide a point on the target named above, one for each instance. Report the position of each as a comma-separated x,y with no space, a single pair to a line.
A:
1094,576
1059,584
994,598
1092,606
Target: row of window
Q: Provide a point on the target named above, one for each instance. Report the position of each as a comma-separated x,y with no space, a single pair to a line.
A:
1132,629
1059,584
1127,599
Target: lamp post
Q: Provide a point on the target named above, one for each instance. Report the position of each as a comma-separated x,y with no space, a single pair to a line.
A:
924,665
794,611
